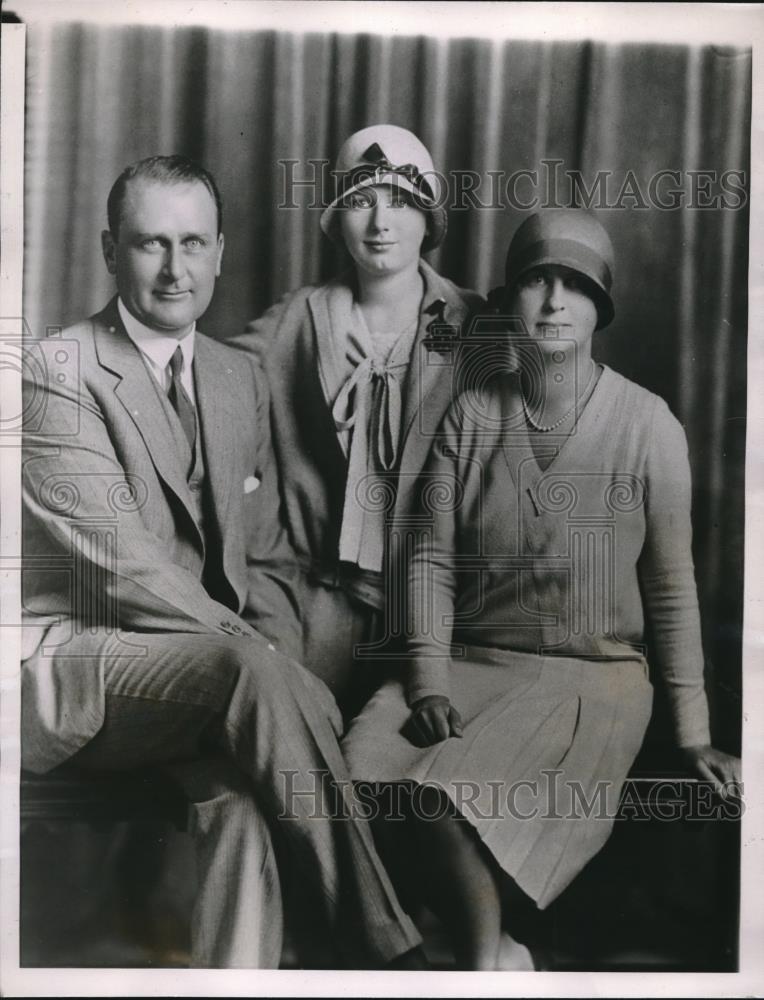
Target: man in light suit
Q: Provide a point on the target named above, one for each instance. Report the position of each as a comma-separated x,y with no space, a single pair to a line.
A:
160,615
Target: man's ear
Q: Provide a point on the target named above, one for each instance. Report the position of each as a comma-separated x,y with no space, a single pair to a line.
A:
109,248
221,244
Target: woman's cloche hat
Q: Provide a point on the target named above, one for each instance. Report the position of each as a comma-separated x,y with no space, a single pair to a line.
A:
381,154
571,237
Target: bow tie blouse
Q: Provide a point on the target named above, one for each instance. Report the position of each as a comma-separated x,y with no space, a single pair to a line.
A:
367,416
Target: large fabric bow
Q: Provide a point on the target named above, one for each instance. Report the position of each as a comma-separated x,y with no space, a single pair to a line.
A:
372,394
369,405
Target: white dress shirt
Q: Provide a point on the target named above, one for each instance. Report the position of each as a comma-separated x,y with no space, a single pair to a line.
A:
157,348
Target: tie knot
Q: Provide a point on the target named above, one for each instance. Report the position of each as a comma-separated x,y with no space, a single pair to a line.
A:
176,362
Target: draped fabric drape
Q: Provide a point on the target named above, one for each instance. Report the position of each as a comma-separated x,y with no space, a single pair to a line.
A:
245,103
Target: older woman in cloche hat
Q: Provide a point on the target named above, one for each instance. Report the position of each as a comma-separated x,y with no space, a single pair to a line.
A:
352,390
527,696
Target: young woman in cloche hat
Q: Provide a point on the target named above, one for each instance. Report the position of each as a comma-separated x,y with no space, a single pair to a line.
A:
351,389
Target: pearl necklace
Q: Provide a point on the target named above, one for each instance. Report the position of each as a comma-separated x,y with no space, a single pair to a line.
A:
545,429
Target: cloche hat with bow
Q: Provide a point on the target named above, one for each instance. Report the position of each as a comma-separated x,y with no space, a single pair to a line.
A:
387,154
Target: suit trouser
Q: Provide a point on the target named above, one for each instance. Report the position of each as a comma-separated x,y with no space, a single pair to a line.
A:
336,627
237,918
181,696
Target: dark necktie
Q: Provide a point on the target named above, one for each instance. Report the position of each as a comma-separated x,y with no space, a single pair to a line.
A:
179,399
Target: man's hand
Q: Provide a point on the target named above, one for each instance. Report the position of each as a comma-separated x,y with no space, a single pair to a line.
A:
721,769
432,720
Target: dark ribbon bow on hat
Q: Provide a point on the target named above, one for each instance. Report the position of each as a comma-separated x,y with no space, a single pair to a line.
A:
375,157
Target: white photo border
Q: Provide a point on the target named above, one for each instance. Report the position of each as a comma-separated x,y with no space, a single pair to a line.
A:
737,24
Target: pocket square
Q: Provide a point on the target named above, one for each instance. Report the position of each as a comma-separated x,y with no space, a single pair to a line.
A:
250,484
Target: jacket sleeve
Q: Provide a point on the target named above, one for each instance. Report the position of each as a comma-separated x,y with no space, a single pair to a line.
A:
88,552
431,574
272,605
667,578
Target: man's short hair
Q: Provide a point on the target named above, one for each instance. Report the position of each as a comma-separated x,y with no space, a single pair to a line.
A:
165,170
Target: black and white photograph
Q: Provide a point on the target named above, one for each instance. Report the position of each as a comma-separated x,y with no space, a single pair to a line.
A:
381,454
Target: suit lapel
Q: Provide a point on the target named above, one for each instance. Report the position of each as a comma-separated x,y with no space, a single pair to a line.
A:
219,417
330,307
135,390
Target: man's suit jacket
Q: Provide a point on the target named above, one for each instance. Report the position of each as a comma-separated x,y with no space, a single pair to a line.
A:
112,537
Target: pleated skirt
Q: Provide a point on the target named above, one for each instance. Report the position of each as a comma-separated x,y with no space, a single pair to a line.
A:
547,745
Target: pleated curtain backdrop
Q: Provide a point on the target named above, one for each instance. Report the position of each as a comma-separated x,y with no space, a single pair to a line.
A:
244,103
